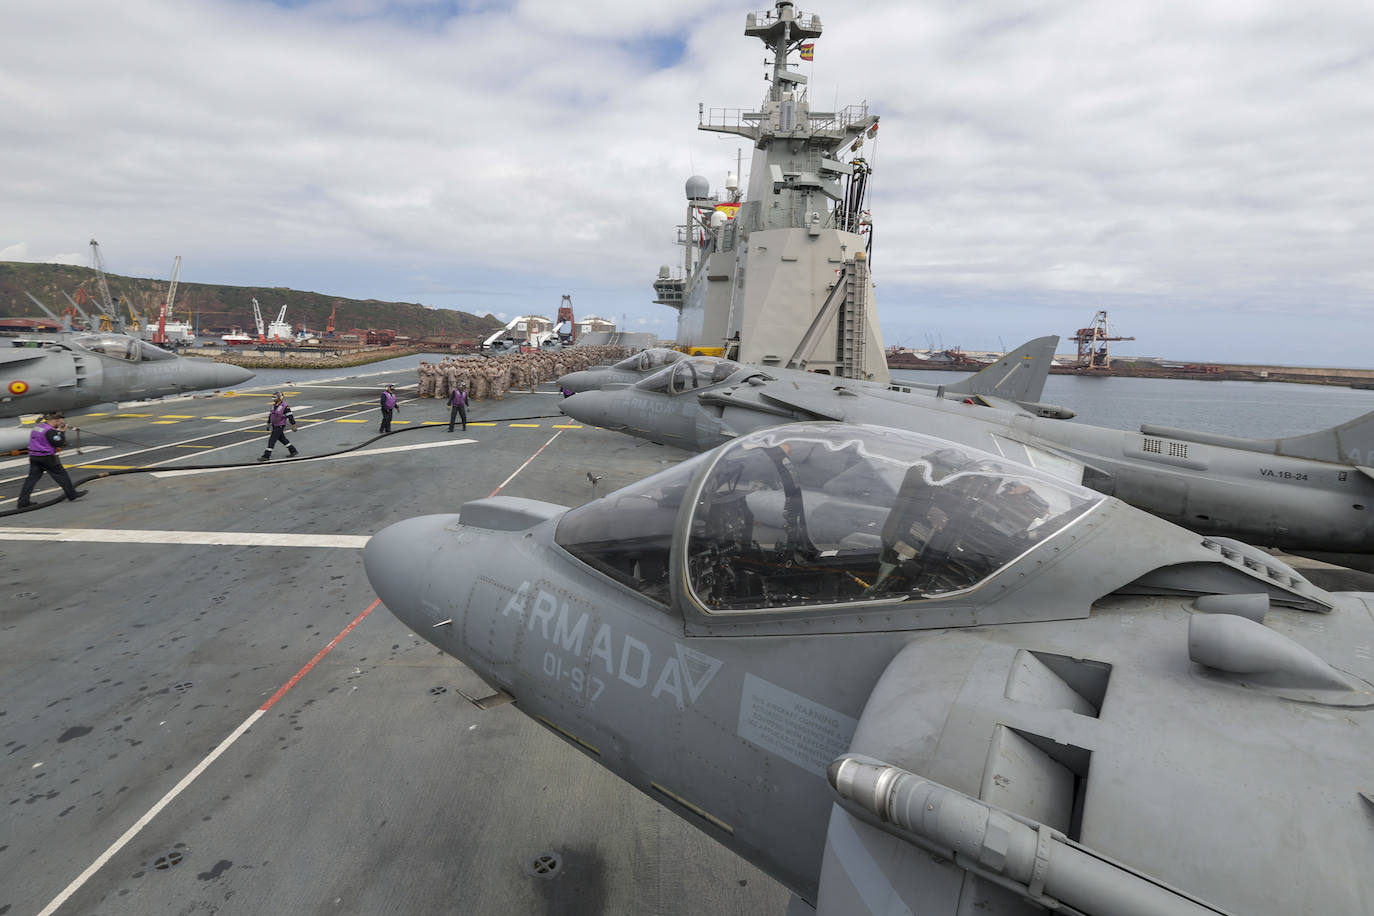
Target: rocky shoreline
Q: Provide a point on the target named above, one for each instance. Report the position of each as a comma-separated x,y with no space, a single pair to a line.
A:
297,360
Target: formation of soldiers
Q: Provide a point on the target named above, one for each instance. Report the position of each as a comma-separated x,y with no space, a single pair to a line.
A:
488,377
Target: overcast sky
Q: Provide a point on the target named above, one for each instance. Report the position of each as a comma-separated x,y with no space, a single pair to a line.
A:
1202,170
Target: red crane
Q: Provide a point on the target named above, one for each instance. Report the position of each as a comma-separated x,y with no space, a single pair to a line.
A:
160,335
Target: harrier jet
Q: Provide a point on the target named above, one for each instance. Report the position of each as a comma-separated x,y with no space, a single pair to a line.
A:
1311,494
74,371
906,675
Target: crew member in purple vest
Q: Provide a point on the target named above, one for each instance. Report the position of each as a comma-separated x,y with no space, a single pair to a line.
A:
458,407
388,408
47,437
277,418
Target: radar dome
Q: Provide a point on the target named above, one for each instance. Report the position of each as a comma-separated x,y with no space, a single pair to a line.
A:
731,181
698,187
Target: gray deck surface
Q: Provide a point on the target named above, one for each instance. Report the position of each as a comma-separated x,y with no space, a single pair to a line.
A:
370,786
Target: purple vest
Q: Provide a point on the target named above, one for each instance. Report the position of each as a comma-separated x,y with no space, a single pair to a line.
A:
389,401
458,398
39,446
278,415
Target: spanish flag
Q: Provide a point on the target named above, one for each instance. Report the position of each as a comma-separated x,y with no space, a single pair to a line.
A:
808,51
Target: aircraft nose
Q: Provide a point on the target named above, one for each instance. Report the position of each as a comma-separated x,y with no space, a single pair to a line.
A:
203,374
397,560
576,382
592,408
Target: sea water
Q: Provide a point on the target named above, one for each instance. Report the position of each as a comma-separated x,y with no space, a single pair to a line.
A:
1254,409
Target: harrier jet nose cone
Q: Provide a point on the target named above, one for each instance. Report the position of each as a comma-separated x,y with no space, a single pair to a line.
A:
203,374
577,382
593,408
397,561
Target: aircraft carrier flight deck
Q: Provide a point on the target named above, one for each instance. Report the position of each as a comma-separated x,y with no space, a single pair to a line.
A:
207,710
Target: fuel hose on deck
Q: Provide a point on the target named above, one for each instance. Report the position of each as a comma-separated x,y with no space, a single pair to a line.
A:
76,483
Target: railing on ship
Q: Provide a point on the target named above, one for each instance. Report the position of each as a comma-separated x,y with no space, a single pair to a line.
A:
768,17
741,119
750,218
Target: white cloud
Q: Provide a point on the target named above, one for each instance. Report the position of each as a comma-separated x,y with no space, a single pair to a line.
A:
1189,155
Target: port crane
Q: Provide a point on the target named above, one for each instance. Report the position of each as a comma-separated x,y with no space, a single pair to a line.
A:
566,334
109,317
1092,343
329,328
257,318
160,335
279,329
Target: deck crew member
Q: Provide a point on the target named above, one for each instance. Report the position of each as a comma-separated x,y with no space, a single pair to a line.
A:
277,418
47,438
458,407
388,402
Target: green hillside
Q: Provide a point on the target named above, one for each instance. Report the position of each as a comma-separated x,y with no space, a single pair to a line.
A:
223,307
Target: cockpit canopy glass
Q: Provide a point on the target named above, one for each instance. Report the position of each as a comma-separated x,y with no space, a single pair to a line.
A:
808,515
689,374
153,351
628,535
649,360
116,345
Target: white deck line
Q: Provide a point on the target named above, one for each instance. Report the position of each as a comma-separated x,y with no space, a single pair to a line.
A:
201,538
283,462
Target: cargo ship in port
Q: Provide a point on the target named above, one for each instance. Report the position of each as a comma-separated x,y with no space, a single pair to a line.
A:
779,274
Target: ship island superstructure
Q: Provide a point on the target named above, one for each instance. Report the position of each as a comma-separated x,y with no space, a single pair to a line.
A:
779,275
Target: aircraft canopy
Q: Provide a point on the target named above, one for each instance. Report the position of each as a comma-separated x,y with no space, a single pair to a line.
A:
802,516
648,360
689,374
121,346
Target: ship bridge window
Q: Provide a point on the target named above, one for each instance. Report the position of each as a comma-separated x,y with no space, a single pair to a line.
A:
628,535
812,515
115,345
649,360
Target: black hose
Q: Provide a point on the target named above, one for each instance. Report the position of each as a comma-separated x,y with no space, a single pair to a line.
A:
54,500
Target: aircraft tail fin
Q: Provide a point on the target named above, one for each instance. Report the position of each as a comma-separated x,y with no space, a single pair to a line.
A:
1352,442
1018,376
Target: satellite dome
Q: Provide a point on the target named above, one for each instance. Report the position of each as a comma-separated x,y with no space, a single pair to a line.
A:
698,187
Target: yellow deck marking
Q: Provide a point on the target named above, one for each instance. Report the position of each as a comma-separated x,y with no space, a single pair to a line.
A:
178,416
211,418
352,421
102,414
163,422
481,424
109,467
565,426
256,394
133,415
524,425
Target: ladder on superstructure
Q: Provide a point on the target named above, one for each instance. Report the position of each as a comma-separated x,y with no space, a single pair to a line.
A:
853,343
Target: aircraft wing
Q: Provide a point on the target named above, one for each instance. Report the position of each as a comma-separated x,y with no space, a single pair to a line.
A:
16,356
933,817
988,400
789,401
